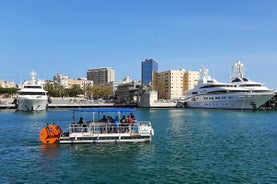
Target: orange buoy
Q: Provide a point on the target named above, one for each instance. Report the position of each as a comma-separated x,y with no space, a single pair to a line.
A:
50,134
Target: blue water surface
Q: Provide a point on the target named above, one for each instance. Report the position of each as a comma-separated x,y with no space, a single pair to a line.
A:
189,146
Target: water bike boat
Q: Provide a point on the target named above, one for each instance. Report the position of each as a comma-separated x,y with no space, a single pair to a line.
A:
100,128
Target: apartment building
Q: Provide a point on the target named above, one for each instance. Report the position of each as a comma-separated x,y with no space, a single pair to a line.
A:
82,82
191,79
101,75
169,84
172,84
62,80
67,82
6,84
128,92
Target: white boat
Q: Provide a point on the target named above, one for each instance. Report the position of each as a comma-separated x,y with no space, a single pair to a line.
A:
32,97
241,93
97,130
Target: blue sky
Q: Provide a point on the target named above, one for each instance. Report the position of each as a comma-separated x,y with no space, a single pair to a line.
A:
70,37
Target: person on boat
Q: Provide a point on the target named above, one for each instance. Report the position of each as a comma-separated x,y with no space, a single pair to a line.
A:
104,119
80,120
109,119
132,116
130,120
123,119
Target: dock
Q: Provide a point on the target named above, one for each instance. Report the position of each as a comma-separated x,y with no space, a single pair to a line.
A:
72,105
81,103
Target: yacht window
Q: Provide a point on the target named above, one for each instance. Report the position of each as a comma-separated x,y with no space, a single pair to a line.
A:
38,87
236,80
31,93
251,85
218,86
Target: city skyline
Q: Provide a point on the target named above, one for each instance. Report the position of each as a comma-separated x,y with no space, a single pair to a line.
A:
70,37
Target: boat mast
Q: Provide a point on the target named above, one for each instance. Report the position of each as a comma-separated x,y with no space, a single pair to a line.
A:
238,70
204,74
33,75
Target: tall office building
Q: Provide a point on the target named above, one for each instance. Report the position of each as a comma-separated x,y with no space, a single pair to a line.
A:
101,75
148,66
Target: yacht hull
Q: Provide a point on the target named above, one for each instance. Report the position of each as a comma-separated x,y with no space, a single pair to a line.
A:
230,101
32,103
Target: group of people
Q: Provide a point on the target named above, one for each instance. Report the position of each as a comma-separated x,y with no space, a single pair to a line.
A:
108,119
129,119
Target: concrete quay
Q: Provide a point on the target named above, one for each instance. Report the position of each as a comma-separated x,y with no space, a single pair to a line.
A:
72,105
81,103
6,104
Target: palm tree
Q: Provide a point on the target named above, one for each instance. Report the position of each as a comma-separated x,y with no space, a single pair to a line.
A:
75,90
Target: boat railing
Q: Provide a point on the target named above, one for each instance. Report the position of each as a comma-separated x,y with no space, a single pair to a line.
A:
142,123
100,128
105,128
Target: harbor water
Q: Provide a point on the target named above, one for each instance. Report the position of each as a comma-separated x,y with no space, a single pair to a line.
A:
189,146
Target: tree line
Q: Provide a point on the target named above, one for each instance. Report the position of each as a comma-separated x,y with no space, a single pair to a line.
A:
7,92
55,90
96,91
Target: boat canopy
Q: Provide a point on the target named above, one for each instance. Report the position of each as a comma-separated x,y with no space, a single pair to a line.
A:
103,110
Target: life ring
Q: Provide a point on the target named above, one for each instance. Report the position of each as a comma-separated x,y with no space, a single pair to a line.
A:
50,134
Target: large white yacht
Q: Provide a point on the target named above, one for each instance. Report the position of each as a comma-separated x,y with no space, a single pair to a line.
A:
32,97
241,93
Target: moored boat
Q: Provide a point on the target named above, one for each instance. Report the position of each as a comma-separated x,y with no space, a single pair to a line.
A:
241,93
32,97
99,128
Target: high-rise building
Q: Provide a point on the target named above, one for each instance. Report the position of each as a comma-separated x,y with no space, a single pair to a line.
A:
191,79
169,84
148,66
172,84
101,75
